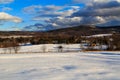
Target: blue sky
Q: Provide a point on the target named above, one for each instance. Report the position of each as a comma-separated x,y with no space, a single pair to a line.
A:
53,14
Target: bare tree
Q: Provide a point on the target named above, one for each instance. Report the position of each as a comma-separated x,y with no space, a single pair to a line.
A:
15,46
4,45
10,49
5,50
60,48
43,48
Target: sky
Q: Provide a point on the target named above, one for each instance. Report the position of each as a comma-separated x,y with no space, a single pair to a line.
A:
42,15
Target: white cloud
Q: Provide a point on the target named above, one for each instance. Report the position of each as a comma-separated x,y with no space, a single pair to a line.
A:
6,9
32,9
105,0
62,22
38,8
93,1
92,20
82,1
7,17
50,10
5,1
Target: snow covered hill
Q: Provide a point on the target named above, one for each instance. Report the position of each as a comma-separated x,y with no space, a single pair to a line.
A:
62,66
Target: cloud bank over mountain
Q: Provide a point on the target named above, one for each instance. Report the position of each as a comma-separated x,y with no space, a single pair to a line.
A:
94,12
57,14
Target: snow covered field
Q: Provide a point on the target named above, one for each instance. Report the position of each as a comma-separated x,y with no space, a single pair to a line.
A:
51,65
60,66
48,48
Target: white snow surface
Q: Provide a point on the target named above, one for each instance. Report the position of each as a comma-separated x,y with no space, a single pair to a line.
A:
60,66
99,35
48,48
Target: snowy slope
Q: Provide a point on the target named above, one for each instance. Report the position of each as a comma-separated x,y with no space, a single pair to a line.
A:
60,66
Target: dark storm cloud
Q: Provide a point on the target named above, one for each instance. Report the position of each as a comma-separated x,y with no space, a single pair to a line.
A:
111,4
99,13
100,9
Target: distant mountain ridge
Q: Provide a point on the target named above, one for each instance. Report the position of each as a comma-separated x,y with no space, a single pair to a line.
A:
86,30
108,27
82,30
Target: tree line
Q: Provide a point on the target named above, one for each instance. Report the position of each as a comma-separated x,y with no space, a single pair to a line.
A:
13,44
